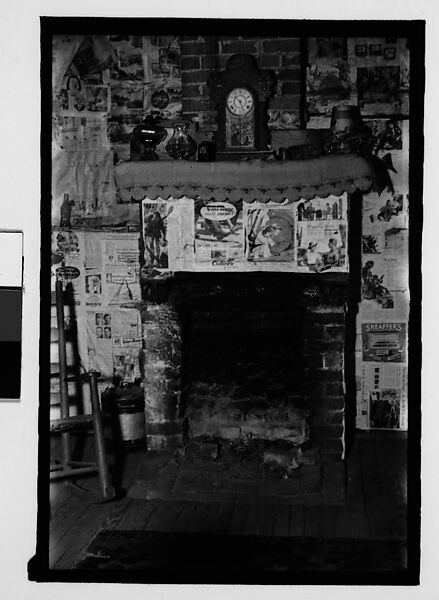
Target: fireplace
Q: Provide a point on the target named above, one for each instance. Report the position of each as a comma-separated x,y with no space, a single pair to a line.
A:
247,372
247,369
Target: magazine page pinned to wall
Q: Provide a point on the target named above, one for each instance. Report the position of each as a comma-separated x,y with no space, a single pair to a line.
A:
384,342
218,236
155,215
322,234
270,237
383,397
382,276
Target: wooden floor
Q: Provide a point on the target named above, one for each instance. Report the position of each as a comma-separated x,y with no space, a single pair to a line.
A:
375,507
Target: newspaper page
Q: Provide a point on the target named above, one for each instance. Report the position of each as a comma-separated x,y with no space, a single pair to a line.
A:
68,250
114,342
106,270
383,394
121,268
73,133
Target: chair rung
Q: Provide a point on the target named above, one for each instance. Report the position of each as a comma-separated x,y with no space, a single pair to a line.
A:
69,472
66,423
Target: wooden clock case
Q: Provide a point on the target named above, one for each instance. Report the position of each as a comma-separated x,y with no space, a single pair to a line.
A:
242,71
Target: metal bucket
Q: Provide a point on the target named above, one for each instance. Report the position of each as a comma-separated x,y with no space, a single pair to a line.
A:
123,410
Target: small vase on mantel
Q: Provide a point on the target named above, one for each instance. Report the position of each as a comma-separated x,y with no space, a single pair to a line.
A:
181,146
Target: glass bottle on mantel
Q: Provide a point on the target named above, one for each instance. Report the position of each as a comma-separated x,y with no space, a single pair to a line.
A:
181,146
66,212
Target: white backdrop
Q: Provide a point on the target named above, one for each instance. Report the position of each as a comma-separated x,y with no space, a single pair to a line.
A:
19,208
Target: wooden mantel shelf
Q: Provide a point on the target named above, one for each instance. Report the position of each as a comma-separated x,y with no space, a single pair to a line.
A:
246,180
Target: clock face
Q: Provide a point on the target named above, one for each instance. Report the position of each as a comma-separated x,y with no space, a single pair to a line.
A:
240,102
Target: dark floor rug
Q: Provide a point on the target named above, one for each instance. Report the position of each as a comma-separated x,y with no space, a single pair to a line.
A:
180,557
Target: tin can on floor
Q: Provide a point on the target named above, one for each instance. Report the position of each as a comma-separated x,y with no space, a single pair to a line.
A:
123,410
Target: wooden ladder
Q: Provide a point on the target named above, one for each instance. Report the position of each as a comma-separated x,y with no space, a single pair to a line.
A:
66,423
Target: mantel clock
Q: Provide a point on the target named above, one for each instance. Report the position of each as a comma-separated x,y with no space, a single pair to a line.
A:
241,94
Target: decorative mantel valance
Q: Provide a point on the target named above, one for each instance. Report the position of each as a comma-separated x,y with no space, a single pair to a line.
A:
246,180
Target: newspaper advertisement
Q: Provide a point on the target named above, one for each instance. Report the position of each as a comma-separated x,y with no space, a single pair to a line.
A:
375,312
384,396
114,342
120,253
68,261
382,277
218,232
270,236
88,179
74,134
384,342
322,234
155,233
322,246
198,235
377,238
389,208
332,208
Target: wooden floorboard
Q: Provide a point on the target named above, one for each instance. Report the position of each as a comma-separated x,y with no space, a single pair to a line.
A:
354,483
389,477
70,546
183,522
281,522
239,518
327,516
396,454
132,514
375,507
312,521
297,521
260,520
352,522
164,516
223,517
378,507
203,517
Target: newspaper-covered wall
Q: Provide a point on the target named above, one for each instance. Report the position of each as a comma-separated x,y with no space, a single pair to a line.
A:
194,235
382,325
103,269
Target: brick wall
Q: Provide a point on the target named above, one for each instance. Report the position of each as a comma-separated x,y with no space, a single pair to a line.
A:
270,392
324,336
162,376
201,55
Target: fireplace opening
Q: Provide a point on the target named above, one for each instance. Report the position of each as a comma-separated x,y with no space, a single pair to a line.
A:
245,376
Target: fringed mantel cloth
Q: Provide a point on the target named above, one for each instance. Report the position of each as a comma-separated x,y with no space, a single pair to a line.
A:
260,181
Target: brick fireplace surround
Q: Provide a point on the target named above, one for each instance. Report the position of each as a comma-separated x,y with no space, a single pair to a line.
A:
282,392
